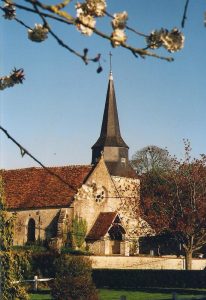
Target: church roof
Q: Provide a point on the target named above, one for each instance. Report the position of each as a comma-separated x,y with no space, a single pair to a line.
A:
117,170
110,131
101,226
36,188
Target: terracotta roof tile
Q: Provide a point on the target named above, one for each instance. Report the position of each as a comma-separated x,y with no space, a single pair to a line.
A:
36,188
101,226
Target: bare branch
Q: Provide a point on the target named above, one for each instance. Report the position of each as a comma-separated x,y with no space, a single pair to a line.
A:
26,152
62,16
184,18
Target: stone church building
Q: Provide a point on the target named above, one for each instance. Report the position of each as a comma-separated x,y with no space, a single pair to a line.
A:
104,194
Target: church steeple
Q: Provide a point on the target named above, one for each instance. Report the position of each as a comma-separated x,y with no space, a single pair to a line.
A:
110,142
110,132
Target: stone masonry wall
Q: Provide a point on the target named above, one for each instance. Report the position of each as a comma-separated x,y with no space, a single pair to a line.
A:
96,195
44,224
134,262
127,189
105,193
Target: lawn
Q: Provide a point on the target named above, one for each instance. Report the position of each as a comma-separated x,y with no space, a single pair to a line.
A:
40,296
138,295
149,295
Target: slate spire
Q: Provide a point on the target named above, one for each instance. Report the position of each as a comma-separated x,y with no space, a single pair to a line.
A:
110,142
110,131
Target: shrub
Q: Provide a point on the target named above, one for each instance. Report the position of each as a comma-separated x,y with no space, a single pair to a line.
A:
117,279
73,279
78,232
67,250
12,264
33,248
42,264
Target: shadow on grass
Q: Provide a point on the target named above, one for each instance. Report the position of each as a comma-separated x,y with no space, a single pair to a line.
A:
197,293
181,291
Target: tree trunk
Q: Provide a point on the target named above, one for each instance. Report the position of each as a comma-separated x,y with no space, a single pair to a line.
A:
188,260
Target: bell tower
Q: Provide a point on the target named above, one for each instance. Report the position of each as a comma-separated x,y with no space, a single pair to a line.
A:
110,142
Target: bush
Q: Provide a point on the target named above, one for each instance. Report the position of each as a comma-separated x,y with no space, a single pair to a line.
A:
67,250
78,233
13,266
117,279
42,264
33,248
73,279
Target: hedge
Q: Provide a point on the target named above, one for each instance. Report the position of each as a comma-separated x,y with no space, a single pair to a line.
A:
42,264
132,279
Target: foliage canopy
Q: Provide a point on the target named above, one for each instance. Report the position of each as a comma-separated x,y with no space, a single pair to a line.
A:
176,201
12,263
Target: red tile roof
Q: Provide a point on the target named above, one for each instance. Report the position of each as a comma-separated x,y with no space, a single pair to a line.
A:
101,226
36,188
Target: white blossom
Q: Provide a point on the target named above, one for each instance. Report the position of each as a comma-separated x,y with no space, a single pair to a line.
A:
96,7
10,11
118,37
80,9
86,20
171,40
16,77
120,20
154,40
38,34
6,82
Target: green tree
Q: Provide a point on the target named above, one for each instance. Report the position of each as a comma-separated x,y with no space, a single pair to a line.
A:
78,232
12,264
73,279
151,159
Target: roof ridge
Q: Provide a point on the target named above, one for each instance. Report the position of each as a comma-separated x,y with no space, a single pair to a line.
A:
49,167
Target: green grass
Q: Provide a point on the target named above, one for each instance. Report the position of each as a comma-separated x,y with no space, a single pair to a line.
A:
147,295
40,296
106,294
130,295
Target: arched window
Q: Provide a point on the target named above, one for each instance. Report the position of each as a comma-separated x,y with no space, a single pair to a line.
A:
31,231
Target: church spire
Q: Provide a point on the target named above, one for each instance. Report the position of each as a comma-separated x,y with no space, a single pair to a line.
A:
110,141
110,131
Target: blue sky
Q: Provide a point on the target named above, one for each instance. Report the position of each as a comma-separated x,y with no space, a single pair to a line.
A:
56,113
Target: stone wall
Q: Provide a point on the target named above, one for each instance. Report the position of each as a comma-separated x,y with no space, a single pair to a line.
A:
100,193
105,247
45,224
94,196
138,262
104,193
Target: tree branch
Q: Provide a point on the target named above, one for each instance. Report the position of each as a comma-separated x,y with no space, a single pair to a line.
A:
184,18
69,20
24,151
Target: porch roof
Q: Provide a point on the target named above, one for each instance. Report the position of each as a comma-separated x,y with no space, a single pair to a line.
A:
102,225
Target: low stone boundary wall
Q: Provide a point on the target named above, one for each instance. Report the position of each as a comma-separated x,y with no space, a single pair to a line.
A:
145,262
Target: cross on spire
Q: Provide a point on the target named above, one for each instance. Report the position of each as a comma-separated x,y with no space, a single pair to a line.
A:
110,64
110,60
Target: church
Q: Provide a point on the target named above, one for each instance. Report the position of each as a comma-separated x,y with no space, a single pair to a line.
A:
104,194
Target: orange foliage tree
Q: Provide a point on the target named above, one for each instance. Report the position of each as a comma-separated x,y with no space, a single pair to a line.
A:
175,201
